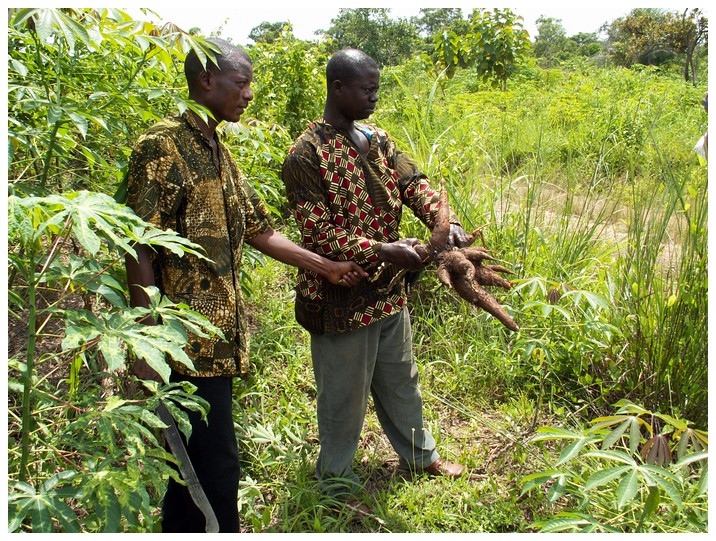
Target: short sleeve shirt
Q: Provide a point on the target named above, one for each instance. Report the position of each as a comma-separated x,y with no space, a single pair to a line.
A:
175,183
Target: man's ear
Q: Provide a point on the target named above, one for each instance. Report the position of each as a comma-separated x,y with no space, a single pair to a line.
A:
206,79
337,86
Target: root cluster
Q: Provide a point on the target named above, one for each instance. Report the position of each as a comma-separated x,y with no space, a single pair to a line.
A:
466,269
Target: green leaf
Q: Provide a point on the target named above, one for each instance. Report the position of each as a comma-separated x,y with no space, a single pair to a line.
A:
41,516
703,485
112,351
538,479
552,433
571,450
565,521
690,459
604,476
665,480
619,456
627,488
80,123
650,506
557,489
145,349
615,434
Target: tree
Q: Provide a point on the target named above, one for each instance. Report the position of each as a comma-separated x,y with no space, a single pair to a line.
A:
72,114
434,20
684,34
654,36
389,42
268,32
495,44
292,85
587,43
551,44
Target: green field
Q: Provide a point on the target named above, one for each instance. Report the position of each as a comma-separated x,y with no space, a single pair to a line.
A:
592,417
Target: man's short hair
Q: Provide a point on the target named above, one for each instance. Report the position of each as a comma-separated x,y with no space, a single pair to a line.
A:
229,57
346,64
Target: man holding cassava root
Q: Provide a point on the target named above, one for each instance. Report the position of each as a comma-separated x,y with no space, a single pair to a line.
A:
182,177
347,184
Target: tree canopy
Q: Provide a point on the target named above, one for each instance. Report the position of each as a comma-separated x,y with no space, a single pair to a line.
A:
653,36
388,41
494,45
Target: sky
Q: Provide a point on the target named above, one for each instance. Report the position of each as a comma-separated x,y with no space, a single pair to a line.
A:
308,16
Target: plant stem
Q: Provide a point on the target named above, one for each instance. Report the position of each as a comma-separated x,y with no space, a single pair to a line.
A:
27,379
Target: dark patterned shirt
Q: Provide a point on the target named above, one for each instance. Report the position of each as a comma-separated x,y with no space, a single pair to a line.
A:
175,183
347,205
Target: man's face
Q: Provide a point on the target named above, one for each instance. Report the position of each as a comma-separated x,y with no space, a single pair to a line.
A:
231,92
359,95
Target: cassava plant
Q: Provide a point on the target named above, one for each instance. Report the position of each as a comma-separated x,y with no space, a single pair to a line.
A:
72,114
634,471
79,440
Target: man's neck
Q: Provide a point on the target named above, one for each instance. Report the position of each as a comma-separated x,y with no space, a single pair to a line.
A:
207,128
339,121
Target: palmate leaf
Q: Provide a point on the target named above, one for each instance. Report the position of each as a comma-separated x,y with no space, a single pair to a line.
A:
656,451
625,406
95,219
153,343
691,437
664,479
632,423
180,316
42,506
167,239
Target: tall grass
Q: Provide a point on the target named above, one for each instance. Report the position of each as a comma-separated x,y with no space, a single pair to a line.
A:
584,182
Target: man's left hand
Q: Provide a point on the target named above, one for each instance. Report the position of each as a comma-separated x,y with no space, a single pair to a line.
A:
346,273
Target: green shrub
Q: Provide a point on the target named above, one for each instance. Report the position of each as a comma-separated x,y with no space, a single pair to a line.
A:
634,471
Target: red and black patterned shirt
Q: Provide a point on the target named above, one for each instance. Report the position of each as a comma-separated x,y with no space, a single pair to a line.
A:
347,205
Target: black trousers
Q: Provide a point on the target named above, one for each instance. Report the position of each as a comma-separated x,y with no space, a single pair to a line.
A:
214,454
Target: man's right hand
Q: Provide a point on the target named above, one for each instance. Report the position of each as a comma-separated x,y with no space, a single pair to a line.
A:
401,254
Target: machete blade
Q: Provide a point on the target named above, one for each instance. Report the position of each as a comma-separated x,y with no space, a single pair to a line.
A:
176,445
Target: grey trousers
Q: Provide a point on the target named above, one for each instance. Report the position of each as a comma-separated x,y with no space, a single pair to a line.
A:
377,359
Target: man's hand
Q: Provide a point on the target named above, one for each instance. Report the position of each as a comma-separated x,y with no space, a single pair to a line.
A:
142,370
345,273
457,237
401,254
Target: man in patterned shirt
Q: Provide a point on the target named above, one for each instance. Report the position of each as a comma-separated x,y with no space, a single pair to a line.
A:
347,184
183,178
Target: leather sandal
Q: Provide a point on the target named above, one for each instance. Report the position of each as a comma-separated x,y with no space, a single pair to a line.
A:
442,468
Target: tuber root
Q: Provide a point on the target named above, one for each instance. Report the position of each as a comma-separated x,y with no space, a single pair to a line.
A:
463,268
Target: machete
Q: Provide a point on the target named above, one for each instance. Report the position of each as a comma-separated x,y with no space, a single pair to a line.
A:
176,445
